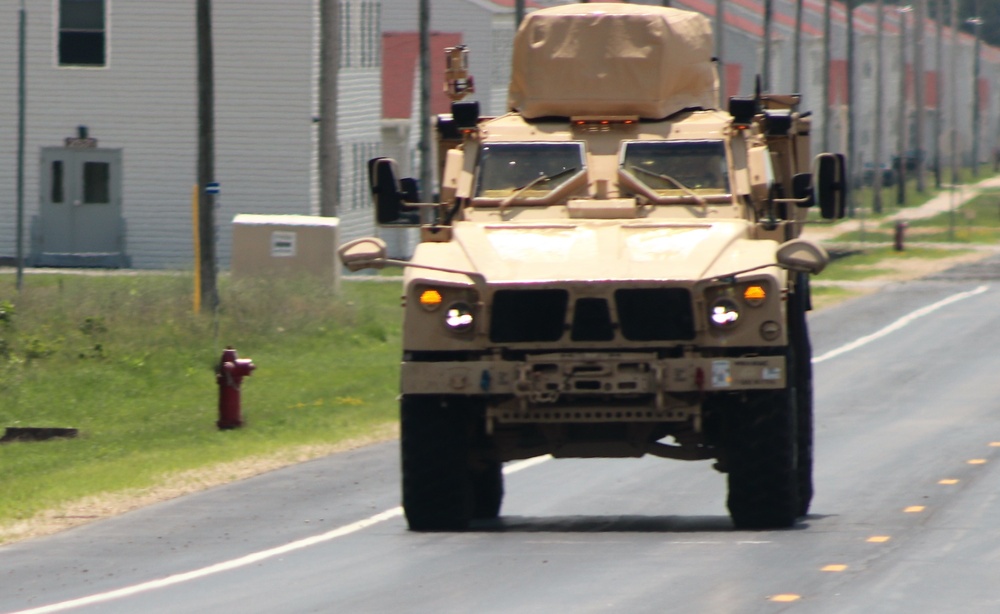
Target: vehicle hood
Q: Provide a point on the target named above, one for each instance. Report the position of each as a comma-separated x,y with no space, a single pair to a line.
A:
597,250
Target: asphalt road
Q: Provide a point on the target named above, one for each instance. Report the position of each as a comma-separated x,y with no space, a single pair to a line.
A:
905,517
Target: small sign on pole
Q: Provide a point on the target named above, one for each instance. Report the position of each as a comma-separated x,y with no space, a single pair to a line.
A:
212,188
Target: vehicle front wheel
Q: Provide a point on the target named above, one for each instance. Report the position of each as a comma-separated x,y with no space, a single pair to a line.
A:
435,443
762,458
487,489
798,333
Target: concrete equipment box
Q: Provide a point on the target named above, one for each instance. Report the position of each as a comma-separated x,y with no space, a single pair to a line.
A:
285,245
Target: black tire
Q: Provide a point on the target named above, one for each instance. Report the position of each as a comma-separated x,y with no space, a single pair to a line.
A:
761,451
435,445
798,332
487,490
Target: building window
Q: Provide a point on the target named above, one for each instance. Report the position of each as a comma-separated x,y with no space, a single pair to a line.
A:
360,34
82,33
371,28
345,35
57,181
96,182
360,191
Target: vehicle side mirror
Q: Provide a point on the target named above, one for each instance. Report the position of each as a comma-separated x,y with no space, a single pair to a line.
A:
366,253
391,194
802,256
830,187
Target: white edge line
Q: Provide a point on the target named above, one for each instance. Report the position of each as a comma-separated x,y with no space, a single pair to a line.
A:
249,559
898,324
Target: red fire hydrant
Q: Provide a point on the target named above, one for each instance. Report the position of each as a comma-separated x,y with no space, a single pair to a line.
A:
229,375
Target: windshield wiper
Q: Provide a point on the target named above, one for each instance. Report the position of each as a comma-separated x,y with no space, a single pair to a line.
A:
700,200
537,180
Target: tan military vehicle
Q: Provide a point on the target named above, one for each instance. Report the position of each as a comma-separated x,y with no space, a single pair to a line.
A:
613,270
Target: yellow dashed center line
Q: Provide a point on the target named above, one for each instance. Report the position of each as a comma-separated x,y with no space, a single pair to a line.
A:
881,539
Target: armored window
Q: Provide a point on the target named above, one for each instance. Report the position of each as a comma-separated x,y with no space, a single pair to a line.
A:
82,33
678,166
527,170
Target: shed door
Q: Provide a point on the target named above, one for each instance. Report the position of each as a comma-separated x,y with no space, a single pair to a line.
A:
81,207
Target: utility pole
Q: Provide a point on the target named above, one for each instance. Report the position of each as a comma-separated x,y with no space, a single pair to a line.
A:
329,158
206,156
901,12
720,26
953,92
825,92
977,25
877,129
519,12
22,18
426,175
797,53
918,86
768,18
852,167
939,74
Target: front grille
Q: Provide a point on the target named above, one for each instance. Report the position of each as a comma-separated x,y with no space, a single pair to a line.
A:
521,316
643,314
655,314
592,321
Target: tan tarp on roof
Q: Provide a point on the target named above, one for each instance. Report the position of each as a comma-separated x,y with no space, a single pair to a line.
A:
612,59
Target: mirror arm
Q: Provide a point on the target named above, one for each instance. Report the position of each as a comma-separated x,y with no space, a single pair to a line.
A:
795,201
731,277
477,278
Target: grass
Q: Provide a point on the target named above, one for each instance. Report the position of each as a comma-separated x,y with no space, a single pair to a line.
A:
824,296
975,221
123,359
878,261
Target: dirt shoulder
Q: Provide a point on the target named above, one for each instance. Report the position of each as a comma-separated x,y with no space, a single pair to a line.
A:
96,508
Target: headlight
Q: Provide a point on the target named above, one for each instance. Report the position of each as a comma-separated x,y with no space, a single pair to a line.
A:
458,317
724,313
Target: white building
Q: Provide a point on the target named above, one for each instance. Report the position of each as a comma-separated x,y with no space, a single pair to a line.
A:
126,71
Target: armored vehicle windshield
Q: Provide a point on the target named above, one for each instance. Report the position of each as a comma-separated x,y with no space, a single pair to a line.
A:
527,170
673,167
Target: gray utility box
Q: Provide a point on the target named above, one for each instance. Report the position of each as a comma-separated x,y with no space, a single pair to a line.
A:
286,245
